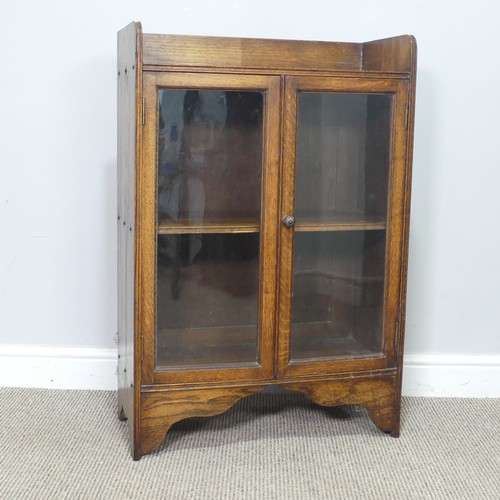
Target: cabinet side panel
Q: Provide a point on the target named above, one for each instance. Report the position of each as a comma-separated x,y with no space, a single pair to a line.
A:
389,54
406,225
129,77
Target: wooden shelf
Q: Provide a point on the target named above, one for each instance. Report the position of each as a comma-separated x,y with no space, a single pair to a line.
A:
184,348
336,222
340,222
212,225
325,339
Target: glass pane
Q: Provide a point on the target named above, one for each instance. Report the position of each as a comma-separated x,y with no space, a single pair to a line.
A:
209,156
342,171
338,283
208,289
209,183
343,146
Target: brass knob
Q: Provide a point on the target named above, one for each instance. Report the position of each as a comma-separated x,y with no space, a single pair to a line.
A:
289,220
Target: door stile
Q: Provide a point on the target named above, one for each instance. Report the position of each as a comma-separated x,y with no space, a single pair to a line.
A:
287,202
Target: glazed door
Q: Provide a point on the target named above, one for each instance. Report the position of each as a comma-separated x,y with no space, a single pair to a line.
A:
342,200
209,201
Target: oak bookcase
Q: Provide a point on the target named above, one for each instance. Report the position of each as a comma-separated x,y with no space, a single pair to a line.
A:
263,215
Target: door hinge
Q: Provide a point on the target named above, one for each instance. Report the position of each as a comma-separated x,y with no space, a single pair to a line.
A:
144,110
406,116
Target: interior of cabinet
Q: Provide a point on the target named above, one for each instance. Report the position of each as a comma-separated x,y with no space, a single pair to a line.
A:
207,299
342,158
209,161
338,294
208,230
341,185
209,196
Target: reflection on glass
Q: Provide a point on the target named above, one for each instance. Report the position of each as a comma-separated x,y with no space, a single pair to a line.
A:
209,193
338,280
209,156
343,146
342,172
207,301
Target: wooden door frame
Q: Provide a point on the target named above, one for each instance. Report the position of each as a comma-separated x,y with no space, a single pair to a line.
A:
394,255
146,205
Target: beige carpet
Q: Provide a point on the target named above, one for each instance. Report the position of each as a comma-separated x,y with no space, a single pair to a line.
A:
69,444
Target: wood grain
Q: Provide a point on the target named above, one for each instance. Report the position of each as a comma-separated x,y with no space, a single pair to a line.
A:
340,222
129,139
268,244
400,331
399,90
377,394
146,248
287,207
390,54
209,226
160,410
181,50
153,398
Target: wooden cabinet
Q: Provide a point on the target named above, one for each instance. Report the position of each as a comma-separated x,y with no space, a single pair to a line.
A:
264,191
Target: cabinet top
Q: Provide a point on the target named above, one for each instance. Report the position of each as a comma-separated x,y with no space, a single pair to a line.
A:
389,55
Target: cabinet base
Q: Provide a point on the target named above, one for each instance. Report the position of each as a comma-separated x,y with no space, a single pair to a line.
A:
377,395
162,408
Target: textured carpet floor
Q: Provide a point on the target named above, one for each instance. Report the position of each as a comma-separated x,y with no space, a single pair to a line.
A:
69,444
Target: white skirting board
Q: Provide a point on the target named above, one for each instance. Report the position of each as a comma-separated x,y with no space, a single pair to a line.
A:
49,367
434,375
452,375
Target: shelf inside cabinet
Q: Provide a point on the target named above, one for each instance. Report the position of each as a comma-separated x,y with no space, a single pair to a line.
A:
319,340
185,348
340,222
220,225
209,225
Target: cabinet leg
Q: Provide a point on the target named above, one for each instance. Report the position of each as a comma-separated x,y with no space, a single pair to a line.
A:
162,409
386,418
377,395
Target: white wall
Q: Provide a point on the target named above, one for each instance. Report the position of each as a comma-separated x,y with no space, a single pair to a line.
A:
58,156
